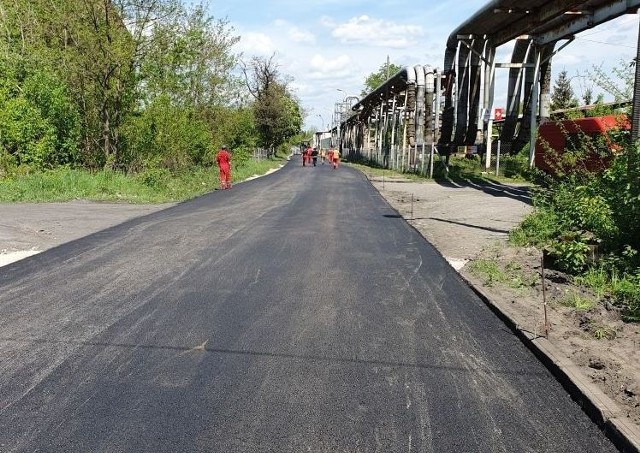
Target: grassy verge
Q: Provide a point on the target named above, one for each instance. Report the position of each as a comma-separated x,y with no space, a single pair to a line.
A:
460,169
490,272
153,186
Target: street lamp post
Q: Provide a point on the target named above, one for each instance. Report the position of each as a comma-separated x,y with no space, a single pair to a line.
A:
321,131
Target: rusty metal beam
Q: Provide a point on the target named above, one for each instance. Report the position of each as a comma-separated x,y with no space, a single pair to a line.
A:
534,19
595,17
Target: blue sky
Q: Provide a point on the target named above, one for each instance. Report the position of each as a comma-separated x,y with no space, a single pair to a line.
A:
332,45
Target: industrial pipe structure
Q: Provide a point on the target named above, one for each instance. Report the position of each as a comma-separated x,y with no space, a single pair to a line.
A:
537,26
394,125
420,109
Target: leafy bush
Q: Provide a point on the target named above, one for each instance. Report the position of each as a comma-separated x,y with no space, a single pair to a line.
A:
39,122
536,229
626,294
579,210
155,177
570,253
164,136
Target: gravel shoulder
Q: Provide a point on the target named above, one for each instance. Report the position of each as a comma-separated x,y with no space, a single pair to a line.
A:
30,228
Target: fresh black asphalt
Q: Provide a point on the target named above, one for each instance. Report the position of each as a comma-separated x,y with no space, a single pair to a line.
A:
295,312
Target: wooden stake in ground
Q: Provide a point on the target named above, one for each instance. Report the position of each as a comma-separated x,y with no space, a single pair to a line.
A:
544,297
412,207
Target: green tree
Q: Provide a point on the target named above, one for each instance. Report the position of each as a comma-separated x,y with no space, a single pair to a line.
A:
563,96
277,112
165,136
117,56
375,79
39,122
190,59
617,81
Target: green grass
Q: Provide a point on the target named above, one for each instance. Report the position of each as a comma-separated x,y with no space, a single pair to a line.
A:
577,302
488,271
382,172
460,169
511,276
154,186
596,279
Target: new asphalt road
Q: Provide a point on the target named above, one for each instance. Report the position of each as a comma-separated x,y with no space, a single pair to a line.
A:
296,312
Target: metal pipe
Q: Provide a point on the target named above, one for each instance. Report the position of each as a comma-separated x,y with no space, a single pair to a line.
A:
419,122
534,108
474,125
462,98
436,119
490,87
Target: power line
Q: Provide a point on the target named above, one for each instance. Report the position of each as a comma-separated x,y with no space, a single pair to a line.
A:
607,43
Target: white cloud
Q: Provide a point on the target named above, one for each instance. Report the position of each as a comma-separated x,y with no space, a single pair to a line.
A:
256,43
301,36
326,45
374,32
324,65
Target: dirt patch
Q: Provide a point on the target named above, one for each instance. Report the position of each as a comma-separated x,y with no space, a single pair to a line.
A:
469,226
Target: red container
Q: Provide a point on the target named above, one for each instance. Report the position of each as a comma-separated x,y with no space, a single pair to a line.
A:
582,143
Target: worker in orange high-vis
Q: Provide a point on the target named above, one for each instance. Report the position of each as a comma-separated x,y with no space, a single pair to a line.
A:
330,155
223,159
335,158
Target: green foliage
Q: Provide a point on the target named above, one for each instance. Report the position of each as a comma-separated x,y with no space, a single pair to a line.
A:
234,127
110,79
596,279
376,79
620,185
562,96
603,332
488,270
617,81
165,136
154,185
626,293
190,59
154,178
537,229
570,253
491,273
277,113
577,302
589,223
40,124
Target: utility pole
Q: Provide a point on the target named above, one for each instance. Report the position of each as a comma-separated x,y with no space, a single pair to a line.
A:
387,78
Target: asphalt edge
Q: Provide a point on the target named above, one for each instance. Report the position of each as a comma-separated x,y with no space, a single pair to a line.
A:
603,410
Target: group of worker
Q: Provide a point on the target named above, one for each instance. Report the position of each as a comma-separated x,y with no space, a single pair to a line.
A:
223,160
310,155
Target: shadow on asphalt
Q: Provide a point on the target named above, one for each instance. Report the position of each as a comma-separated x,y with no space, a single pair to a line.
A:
277,355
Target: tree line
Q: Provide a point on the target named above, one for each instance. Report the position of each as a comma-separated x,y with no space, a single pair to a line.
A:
132,85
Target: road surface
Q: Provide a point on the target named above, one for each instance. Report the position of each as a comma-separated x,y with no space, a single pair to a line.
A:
296,312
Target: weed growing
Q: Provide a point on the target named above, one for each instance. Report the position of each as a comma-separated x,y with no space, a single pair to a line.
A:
577,302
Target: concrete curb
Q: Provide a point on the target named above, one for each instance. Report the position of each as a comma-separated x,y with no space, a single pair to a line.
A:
604,411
